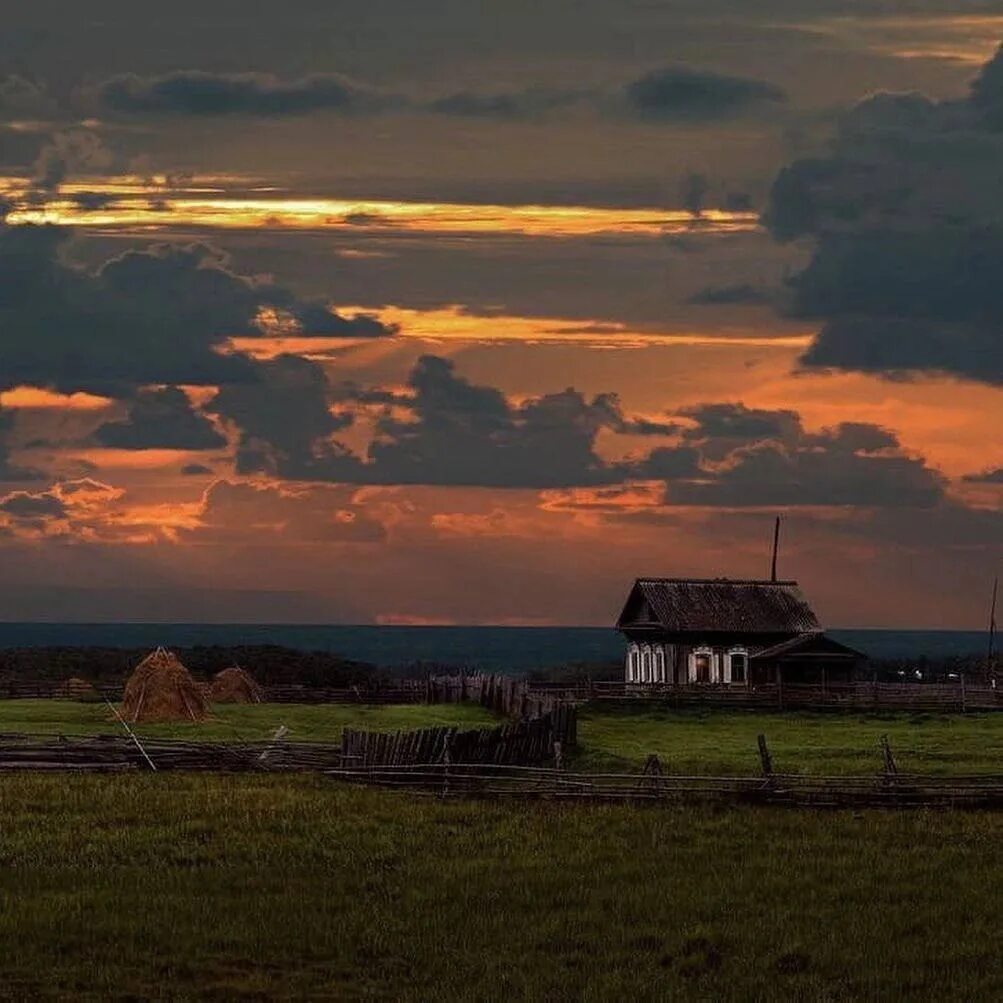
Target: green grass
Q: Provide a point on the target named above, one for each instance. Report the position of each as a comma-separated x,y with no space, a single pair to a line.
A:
240,722
724,742
188,886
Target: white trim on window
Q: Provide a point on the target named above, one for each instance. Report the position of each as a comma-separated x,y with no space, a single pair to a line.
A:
632,662
659,664
692,667
744,653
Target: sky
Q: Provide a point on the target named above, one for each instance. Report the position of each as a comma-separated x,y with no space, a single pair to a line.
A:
369,311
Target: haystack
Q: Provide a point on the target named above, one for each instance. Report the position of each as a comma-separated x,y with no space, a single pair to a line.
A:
161,689
76,688
234,685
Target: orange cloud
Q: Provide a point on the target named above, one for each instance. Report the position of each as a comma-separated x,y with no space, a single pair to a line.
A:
38,399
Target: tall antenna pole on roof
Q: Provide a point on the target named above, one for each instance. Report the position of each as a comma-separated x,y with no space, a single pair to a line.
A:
776,549
991,656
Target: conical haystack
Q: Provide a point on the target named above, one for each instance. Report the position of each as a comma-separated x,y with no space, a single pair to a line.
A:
234,685
161,689
76,688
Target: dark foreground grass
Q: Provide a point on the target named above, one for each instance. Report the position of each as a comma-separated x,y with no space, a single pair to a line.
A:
724,742
240,722
188,886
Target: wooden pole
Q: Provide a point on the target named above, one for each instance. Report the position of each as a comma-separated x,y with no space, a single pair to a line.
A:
886,750
776,549
991,654
764,757
131,733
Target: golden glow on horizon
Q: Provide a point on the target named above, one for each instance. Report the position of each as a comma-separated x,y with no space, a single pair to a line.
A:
453,324
962,38
131,204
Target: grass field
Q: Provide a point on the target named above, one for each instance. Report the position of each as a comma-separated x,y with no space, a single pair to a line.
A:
239,722
687,741
724,742
189,886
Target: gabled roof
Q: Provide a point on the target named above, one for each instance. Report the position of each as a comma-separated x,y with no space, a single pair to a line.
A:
814,643
680,605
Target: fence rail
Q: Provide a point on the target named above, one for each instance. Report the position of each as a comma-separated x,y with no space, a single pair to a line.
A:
843,696
110,753
794,790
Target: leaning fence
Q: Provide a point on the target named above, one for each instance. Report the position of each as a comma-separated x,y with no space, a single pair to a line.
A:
112,753
794,790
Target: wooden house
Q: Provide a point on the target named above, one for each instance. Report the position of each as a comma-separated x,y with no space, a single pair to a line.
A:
721,631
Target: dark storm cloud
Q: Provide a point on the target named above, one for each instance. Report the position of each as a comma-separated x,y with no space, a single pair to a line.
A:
285,422
907,219
673,94
195,469
194,92
152,316
23,505
461,433
687,94
735,424
443,430
783,464
160,419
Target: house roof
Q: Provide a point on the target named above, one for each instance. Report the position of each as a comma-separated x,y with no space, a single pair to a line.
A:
745,606
814,642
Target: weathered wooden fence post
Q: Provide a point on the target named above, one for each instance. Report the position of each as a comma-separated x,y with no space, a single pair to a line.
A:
964,695
886,751
445,765
651,777
765,759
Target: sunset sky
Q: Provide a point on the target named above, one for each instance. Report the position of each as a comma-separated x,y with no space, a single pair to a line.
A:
384,311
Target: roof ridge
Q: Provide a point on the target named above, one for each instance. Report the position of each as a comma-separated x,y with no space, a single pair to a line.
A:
718,581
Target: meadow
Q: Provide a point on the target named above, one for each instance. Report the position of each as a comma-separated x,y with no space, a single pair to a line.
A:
689,741
201,886
724,742
240,722
190,886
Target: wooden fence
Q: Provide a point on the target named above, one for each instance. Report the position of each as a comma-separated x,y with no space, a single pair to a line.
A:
793,790
110,753
521,742
935,697
505,695
517,698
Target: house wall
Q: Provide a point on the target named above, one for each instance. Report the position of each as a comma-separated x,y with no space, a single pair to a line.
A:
665,663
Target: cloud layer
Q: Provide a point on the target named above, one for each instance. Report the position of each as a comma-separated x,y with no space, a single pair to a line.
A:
906,215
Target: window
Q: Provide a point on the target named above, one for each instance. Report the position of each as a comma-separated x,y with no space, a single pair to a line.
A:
701,665
646,662
659,665
739,666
